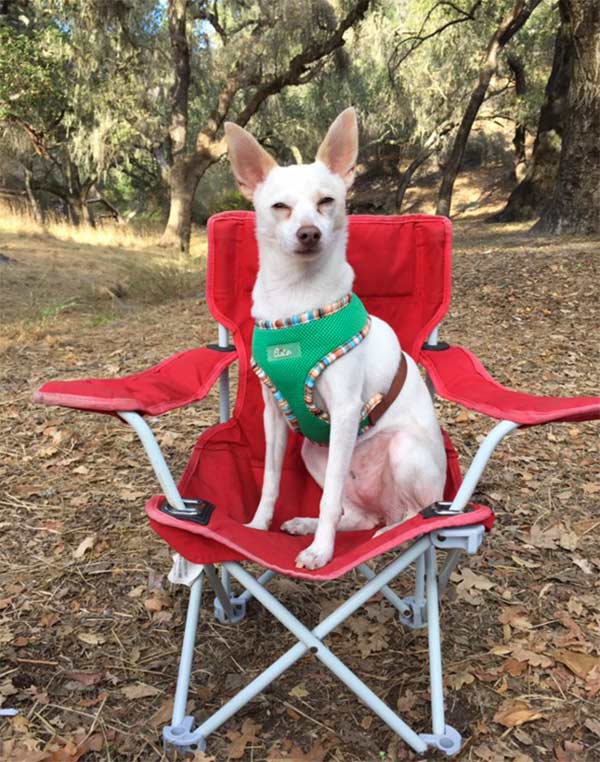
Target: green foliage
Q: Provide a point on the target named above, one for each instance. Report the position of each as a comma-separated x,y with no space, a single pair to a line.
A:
229,199
33,76
93,78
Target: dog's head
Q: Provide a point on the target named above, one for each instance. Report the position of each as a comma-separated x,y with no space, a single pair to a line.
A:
300,209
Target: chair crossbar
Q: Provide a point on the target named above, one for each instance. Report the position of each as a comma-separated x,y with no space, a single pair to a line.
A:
180,732
386,591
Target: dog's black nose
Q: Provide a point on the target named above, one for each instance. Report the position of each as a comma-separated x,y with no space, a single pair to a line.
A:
309,236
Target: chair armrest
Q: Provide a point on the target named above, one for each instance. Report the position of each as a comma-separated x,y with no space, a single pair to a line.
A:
173,383
458,376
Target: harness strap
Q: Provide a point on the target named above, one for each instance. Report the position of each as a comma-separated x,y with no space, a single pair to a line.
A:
394,390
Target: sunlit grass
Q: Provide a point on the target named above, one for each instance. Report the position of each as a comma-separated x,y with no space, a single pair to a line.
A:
105,233
57,272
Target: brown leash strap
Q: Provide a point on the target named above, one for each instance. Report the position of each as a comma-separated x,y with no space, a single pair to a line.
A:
393,392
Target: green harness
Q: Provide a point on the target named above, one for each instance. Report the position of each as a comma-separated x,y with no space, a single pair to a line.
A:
289,355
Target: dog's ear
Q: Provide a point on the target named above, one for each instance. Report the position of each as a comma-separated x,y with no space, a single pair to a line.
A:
339,149
250,163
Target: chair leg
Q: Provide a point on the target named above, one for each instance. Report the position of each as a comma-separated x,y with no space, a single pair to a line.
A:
416,618
181,725
444,737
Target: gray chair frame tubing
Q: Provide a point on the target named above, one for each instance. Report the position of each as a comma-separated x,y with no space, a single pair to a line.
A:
419,610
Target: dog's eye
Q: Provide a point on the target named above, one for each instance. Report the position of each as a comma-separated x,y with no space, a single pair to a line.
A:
325,200
280,205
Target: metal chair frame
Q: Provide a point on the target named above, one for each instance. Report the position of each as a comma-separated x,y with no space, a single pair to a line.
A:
418,610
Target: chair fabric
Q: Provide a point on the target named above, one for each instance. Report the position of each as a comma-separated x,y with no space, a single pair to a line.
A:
175,382
460,377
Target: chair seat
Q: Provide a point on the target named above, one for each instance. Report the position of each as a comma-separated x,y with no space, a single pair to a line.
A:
225,471
225,539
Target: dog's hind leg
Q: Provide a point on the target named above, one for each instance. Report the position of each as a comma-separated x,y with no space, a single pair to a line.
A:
413,476
353,519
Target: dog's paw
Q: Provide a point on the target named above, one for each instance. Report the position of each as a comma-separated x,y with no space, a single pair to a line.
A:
313,557
299,525
258,524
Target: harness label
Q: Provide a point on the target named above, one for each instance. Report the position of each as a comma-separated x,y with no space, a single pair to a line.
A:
283,352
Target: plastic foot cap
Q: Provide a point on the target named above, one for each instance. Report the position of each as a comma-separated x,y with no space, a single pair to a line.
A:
449,742
182,738
239,611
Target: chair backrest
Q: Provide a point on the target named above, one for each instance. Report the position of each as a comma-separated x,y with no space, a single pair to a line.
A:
402,267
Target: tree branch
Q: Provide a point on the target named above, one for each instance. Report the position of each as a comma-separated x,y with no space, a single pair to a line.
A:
419,38
298,67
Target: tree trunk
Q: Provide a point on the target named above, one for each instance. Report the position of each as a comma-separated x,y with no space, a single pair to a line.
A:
575,203
408,174
36,209
509,26
528,199
429,147
80,212
185,176
519,166
520,137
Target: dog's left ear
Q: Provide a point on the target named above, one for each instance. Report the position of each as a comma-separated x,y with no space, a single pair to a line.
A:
339,149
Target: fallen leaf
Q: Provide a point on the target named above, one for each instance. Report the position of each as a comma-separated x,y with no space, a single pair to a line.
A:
574,606
85,545
536,660
239,741
592,682
515,617
299,691
200,756
472,580
85,679
139,690
544,538
514,713
295,754
580,664
456,681
583,564
568,540
162,714
591,489
100,698
91,638
157,602
593,725
569,751
514,667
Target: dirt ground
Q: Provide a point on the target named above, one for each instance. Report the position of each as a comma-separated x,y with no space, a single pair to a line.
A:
90,629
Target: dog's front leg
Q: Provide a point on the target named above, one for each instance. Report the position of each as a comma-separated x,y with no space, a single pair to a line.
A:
276,434
345,421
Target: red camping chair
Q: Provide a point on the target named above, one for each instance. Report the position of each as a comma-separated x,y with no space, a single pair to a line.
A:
402,267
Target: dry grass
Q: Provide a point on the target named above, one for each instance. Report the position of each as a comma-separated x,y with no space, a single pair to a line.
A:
15,221
98,272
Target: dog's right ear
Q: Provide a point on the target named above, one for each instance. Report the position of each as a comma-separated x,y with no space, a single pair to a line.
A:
249,161
339,149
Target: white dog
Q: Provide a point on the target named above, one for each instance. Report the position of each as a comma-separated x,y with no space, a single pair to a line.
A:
397,466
